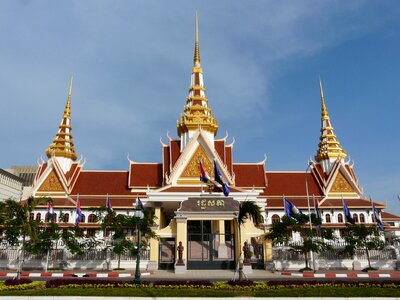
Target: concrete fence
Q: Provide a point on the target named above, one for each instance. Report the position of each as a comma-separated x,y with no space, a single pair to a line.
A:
285,258
62,259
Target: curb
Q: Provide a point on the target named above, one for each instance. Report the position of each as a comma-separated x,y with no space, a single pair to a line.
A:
338,275
80,275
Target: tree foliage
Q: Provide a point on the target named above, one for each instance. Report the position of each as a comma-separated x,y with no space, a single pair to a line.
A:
123,228
361,237
312,238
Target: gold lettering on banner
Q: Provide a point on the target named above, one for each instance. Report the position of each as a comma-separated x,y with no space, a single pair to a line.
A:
341,184
52,183
203,204
193,167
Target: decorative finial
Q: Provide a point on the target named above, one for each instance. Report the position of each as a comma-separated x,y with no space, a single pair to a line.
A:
323,105
196,113
196,43
329,146
62,145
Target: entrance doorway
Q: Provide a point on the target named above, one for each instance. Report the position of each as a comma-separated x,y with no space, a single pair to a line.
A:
207,249
166,254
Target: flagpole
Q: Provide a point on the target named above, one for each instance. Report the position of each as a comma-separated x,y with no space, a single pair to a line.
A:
309,214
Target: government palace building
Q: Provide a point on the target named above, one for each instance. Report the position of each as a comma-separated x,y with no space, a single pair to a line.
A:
187,210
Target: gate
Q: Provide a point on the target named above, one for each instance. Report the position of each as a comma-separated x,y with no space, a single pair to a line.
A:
166,254
206,250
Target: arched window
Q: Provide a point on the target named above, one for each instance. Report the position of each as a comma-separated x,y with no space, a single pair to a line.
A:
92,218
327,218
66,217
355,217
276,219
362,218
83,219
38,216
373,218
340,218
31,217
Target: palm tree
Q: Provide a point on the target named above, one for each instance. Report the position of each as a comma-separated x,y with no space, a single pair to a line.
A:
247,210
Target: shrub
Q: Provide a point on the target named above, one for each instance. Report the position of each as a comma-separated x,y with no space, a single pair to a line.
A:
17,281
241,282
63,282
182,283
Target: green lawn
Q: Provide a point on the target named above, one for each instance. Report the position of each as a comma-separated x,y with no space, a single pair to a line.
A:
192,292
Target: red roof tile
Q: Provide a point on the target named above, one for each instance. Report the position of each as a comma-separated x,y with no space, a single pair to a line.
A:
355,203
249,175
146,174
291,184
101,183
191,189
228,159
388,216
175,147
166,160
220,148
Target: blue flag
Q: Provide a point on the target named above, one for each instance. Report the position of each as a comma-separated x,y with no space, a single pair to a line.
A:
108,204
290,209
378,219
78,217
346,212
218,178
316,210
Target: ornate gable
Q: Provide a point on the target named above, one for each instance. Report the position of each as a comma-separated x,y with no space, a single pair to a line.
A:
186,170
341,184
51,184
192,168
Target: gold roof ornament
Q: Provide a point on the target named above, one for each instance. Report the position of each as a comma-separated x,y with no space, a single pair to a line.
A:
329,146
63,145
196,112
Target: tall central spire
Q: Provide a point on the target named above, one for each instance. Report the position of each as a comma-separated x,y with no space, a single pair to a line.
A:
63,145
196,113
196,59
329,148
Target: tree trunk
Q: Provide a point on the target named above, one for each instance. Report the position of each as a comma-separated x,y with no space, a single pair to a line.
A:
241,274
119,261
369,261
306,258
21,263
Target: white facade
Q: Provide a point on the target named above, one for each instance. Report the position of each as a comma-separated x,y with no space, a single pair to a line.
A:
10,186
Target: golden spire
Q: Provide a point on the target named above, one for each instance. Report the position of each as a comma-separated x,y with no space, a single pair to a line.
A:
196,112
196,59
62,145
329,146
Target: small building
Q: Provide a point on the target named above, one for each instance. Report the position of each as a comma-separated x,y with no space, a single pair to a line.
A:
10,186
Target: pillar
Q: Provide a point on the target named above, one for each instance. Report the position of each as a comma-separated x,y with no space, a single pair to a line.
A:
222,248
154,242
181,236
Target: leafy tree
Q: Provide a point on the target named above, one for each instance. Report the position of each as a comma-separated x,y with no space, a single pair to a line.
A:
361,237
17,225
247,210
123,227
312,239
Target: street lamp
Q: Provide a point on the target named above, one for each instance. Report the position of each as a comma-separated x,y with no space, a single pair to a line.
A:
139,216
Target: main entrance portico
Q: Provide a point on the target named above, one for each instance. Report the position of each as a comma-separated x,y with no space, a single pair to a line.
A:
209,233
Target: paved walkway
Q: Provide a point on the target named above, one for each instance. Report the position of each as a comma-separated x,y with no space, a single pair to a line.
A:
205,274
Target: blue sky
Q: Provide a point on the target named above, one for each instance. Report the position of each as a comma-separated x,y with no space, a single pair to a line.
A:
131,62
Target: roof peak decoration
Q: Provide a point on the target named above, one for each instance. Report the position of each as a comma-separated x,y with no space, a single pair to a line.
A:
196,112
329,146
63,145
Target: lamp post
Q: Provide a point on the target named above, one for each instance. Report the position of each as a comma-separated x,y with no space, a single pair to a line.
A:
139,216
309,214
